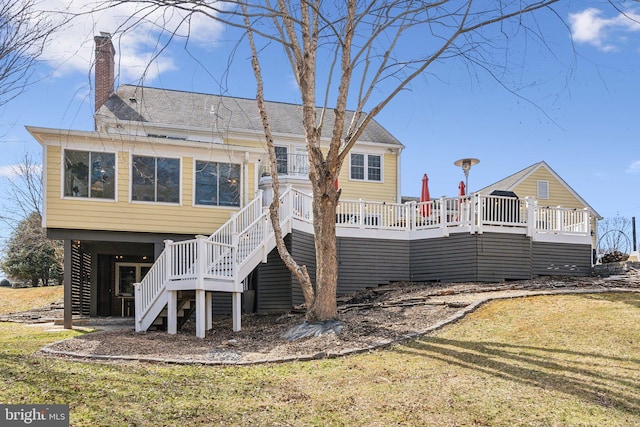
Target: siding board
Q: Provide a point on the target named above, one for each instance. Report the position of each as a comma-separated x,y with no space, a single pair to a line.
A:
273,291
551,259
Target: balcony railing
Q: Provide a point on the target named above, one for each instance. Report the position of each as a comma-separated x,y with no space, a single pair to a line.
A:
460,214
291,165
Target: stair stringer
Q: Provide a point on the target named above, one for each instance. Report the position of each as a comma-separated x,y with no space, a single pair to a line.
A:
153,310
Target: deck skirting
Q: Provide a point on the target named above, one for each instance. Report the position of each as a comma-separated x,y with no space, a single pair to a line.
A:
463,257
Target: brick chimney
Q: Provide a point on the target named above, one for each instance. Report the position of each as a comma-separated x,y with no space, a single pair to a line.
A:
105,65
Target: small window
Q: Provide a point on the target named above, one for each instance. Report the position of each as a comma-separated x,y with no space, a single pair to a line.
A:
217,184
282,159
89,174
155,179
374,172
369,163
357,166
543,189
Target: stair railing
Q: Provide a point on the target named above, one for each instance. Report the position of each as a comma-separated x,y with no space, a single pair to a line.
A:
220,255
148,290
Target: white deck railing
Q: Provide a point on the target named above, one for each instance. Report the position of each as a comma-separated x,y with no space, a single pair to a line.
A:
475,212
220,255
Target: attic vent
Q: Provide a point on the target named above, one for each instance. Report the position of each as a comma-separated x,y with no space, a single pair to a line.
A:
543,189
177,138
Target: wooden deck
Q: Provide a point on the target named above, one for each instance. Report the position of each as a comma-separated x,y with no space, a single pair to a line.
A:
472,238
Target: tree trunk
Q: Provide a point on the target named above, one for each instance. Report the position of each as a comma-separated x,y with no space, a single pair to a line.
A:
325,201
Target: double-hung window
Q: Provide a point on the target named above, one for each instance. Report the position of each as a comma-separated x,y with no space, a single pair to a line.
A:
217,184
366,167
155,179
89,174
282,160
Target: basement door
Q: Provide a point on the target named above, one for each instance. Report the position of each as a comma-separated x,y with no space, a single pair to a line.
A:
128,273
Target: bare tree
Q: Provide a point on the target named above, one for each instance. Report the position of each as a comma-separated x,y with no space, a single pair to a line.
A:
24,31
352,58
28,254
614,236
24,194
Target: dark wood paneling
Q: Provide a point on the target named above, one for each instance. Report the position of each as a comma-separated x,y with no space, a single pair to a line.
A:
303,249
453,258
80,281
221,303
503,257
273,290
366,263
552,259
485,257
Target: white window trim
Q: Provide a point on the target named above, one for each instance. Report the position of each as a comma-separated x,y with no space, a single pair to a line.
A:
289,151
137,265
546,187
193,180
91,199
366,167
156,156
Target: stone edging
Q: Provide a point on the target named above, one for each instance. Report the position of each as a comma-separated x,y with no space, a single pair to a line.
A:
48,350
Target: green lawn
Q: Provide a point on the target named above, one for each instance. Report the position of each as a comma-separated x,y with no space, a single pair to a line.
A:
542,361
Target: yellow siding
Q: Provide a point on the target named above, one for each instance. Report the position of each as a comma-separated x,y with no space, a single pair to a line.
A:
122,215
384,191
559,195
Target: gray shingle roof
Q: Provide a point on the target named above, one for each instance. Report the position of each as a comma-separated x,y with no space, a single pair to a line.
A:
205,112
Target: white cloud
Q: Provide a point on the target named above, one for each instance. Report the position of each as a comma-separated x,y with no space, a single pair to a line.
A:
604,33
634,168
12,171
8,171
72,49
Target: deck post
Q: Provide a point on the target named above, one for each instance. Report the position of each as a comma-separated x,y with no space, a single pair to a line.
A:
172,312
587,225
200,313
480,202
170,260
444,225
137,301
531,216
236,307
201,259
67,312
559,220
410,213
207,301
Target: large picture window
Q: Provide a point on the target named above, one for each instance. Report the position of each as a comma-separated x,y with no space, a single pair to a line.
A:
155,179
366,167
89,174
217,184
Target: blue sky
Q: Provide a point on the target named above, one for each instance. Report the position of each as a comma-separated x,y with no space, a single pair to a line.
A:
577,108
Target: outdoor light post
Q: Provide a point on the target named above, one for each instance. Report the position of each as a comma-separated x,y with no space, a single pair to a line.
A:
466,165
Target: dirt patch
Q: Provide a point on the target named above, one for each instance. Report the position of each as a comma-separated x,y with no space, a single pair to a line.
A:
370,319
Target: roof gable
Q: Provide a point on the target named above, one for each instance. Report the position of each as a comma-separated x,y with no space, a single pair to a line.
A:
512,181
